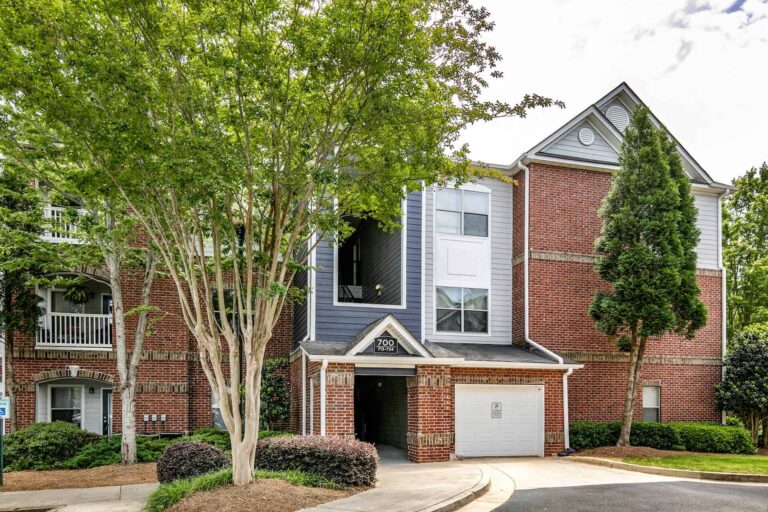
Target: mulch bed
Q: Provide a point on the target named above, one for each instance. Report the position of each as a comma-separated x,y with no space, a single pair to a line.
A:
616,452
264,495
102,476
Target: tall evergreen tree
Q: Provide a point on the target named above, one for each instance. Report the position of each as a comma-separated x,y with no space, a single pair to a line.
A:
646,252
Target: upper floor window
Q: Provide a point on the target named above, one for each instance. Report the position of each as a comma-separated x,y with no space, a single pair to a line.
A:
461,212
462,309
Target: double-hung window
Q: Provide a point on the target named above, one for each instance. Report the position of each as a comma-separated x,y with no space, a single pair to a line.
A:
462,309
651,403
461,212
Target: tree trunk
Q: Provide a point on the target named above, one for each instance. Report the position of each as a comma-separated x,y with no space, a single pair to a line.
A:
633,379
128,436
765,433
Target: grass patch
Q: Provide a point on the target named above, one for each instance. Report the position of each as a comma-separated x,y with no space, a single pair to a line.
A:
171,493
725,463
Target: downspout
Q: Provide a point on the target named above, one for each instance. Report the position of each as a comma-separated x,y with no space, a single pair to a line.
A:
566,427
526,287
323,369
303,393
526,258
724,298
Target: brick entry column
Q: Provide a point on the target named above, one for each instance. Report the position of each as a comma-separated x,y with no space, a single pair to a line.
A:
430,414
340,400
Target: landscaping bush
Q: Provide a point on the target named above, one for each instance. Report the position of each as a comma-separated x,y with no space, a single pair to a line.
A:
662,436
347,461
592,434
106,451
695,437
189,459
701,437
43,445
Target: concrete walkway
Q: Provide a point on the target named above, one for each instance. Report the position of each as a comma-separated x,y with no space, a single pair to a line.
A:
406,487
118,498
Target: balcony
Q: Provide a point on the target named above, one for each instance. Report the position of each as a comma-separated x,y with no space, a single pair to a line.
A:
75,330
59,229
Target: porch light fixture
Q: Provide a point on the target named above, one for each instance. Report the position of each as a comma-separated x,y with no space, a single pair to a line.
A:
379,289
73,369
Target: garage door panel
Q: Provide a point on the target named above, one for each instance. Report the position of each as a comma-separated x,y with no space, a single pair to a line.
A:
499,420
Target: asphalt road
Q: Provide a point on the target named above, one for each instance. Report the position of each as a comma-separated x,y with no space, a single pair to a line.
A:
675,496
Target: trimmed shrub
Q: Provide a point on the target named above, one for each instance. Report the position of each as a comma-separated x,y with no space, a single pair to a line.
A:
701,437
592,434
106,451
662,436
43,445
189,459
347,461
695,437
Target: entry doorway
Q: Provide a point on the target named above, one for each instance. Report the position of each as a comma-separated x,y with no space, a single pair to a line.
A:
381,410
106,412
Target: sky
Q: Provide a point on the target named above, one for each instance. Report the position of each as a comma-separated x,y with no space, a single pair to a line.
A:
700,66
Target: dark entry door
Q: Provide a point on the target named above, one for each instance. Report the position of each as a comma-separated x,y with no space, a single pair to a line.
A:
106,412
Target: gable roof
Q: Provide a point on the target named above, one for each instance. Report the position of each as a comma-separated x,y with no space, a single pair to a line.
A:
602,141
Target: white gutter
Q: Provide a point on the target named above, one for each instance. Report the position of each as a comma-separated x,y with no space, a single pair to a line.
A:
566,427
323,369
381,361
526,257
520,366
303,393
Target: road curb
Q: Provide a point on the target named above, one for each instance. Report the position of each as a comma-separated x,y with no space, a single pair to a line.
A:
463,498
680,473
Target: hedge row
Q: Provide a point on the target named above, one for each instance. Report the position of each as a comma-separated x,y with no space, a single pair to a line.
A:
347,461
695,437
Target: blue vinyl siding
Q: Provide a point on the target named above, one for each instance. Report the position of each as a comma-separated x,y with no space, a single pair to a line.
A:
343,323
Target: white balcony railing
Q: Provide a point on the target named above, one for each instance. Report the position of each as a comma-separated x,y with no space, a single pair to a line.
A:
75,330
59,229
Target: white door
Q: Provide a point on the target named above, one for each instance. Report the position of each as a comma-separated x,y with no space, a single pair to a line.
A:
499,420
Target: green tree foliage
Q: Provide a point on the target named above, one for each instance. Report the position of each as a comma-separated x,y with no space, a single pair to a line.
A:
745,250
25,260
236,130
646,251
744,390
275,395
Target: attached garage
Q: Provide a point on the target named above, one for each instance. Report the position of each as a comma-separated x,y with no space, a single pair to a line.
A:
499,420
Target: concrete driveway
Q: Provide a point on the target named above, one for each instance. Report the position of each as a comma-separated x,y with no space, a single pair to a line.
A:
553,484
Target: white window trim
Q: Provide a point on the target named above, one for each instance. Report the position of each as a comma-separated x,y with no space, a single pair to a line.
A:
472,187
403,270
462,309
82,401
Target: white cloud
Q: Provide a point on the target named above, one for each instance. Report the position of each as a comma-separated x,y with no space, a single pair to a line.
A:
701,69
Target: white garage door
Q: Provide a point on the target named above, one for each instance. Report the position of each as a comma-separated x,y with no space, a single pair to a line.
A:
499,420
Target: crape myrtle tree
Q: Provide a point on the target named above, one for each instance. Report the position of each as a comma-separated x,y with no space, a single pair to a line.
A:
745,249
243,133
646,252
744,390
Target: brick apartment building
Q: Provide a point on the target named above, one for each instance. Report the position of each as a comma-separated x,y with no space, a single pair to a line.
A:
465,332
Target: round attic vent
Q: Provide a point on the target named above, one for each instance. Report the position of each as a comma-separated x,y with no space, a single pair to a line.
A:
586,136
618,116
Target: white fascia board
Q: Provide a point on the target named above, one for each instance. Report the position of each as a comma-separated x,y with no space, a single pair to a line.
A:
383,361
521,366
394,327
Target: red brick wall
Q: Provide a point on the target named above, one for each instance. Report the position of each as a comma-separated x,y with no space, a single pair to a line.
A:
564,220
171,377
